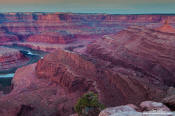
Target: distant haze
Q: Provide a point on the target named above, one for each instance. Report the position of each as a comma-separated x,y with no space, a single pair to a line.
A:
89,6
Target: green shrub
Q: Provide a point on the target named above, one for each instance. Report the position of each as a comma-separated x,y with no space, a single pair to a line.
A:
88,105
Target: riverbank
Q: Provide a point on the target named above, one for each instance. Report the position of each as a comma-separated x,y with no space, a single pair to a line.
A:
32,55
5,85
7,75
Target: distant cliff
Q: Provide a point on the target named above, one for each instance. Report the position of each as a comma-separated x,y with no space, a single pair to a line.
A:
38,27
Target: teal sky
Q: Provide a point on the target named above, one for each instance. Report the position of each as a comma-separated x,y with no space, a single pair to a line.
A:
89,6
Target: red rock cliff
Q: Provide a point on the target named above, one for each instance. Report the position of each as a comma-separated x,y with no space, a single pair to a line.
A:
31,26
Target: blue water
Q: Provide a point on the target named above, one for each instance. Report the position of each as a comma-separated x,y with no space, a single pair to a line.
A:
33,55
7,75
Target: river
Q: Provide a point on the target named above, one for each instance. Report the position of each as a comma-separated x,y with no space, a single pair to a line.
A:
33,55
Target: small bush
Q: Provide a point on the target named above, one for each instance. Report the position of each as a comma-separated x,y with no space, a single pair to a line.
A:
88,105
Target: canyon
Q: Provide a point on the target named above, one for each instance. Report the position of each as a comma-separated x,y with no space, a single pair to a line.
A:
67,27
125,59
49,31
13,57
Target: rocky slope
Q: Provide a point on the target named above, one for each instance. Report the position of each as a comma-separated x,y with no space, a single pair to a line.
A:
10,58
132,66
76,72
56,82
145,50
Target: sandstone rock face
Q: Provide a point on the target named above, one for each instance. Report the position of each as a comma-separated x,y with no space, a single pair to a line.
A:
10,58
144,50
53,85
32,96
76,72
35,95
67,69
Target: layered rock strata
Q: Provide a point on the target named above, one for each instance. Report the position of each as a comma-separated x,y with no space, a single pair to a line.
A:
48,27
10,58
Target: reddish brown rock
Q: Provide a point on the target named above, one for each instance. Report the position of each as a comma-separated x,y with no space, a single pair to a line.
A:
60,79
53,37
166,28
32,26
147,51
32,96
67,69
4,37
10,58
132,66
79,73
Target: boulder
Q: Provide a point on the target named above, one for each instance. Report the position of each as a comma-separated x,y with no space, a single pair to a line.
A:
170,91
127,110
170,101
120,111
74,115
151,105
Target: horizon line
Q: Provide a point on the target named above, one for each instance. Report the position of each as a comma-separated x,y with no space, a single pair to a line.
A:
93,13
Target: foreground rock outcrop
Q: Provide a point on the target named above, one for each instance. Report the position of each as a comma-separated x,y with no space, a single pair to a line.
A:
120,111
152,108
80,73
58,82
